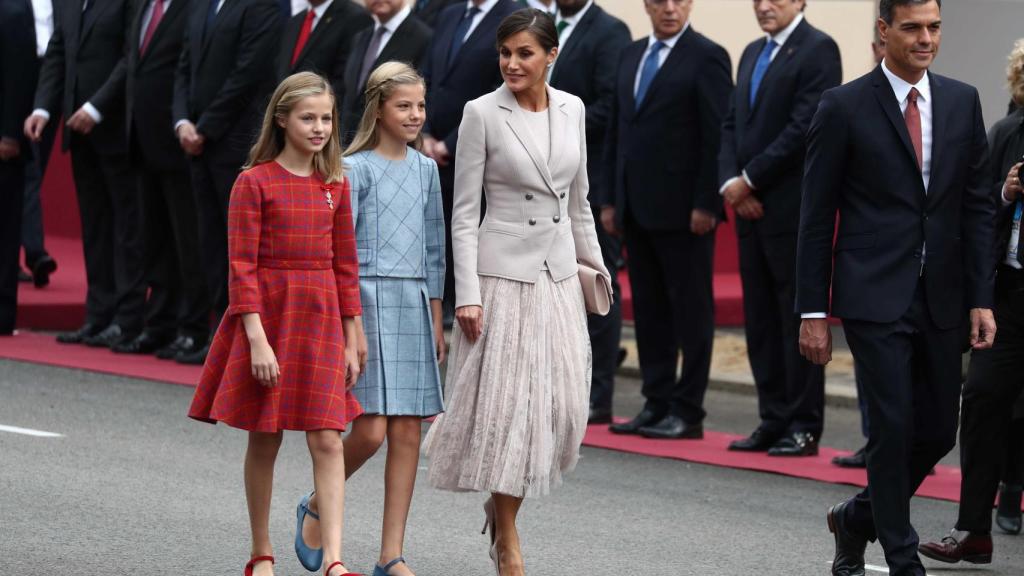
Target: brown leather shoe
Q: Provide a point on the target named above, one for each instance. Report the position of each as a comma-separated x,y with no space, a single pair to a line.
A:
960,546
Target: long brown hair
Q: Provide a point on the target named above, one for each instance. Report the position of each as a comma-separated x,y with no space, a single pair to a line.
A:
379,87
326,162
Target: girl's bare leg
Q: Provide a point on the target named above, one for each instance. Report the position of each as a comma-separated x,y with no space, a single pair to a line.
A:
328,453
259,486
399,480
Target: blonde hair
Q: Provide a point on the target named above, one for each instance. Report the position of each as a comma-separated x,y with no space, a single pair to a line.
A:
379,87
291,90
1015,73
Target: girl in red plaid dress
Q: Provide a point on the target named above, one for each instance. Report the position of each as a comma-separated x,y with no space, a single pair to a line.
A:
284,356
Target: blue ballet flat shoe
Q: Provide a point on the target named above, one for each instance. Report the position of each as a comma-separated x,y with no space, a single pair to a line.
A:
379,570
310,559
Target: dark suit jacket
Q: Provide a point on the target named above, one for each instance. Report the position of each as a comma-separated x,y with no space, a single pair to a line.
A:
223,78
431,9
768,140
586,68
150,85
663,156
329,46
408,44
473,73
861,165
1006,142
18,68
85,62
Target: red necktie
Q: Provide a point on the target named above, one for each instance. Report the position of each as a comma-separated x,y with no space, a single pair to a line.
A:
913,119
154,21
307,27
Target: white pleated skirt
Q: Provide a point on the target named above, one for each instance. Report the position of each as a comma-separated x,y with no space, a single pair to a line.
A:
517,399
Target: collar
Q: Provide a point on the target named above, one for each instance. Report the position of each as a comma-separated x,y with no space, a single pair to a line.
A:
396,20
786,32
902,88
670,43
537,4
319,10
575,18
484,6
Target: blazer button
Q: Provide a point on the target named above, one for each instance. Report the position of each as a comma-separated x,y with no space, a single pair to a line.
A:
556,219
529,196
562,195
533,221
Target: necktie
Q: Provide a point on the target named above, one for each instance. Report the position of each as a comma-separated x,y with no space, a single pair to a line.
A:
913,119
460,33
763,61
211,15
561,27
154,21
304,32
649,70
371,56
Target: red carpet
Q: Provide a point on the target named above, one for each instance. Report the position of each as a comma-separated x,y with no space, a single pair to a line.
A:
61,305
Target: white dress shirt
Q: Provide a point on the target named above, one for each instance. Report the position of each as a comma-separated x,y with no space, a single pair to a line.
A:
669,44
537,4
572,21
391,26
42,11
299,6
318,12
924,104
484,7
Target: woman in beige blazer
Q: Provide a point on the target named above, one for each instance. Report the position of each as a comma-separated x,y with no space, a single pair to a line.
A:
518,378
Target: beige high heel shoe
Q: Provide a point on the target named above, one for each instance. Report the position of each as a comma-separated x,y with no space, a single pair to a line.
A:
490,525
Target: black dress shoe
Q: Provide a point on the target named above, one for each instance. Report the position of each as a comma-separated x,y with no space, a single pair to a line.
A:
796,444
1008,516
598,416
673,428
41,270
760,440
23,276
86,331
644,418
193,357
850,547
858,459
144,343
622,357
108,337
171,350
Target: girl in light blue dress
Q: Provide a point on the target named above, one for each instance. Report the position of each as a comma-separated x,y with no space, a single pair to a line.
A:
396,206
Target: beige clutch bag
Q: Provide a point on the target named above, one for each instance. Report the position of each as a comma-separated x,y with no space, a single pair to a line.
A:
597,290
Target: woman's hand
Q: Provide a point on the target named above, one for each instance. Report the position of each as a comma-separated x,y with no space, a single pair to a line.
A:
352,369
264,363
471,321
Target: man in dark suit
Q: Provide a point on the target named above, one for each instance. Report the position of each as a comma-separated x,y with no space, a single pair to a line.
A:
220,89
591,41
178,309
461,64
17,80
994,378
396,35
319,39
663,139
760,171
428,10
83,79
899,157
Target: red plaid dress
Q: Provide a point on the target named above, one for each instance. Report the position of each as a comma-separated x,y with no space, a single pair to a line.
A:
292,258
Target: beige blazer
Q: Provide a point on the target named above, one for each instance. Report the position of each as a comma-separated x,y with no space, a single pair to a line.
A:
537,212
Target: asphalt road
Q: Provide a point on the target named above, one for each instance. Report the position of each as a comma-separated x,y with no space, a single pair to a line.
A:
134,487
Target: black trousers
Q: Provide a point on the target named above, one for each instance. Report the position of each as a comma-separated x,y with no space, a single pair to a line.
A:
447,177
32,236
178,299
790,390
670,276
12,190
995,380
1013,467
213,174
109,206
910,370
606,331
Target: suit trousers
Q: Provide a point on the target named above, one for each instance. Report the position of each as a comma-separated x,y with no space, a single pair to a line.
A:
670,277
12,190
178,299
447,176
1013,467
606,331
213,174
995,380
790,390
911,374
32,237
109,206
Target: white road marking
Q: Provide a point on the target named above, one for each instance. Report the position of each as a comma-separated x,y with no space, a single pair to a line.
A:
29,432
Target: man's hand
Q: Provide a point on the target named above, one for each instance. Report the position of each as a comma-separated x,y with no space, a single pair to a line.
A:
816,340
608,220
983,328
750,209
441,154
81,122
737,191
9,149
702,222
34,126
190,139
1012,187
